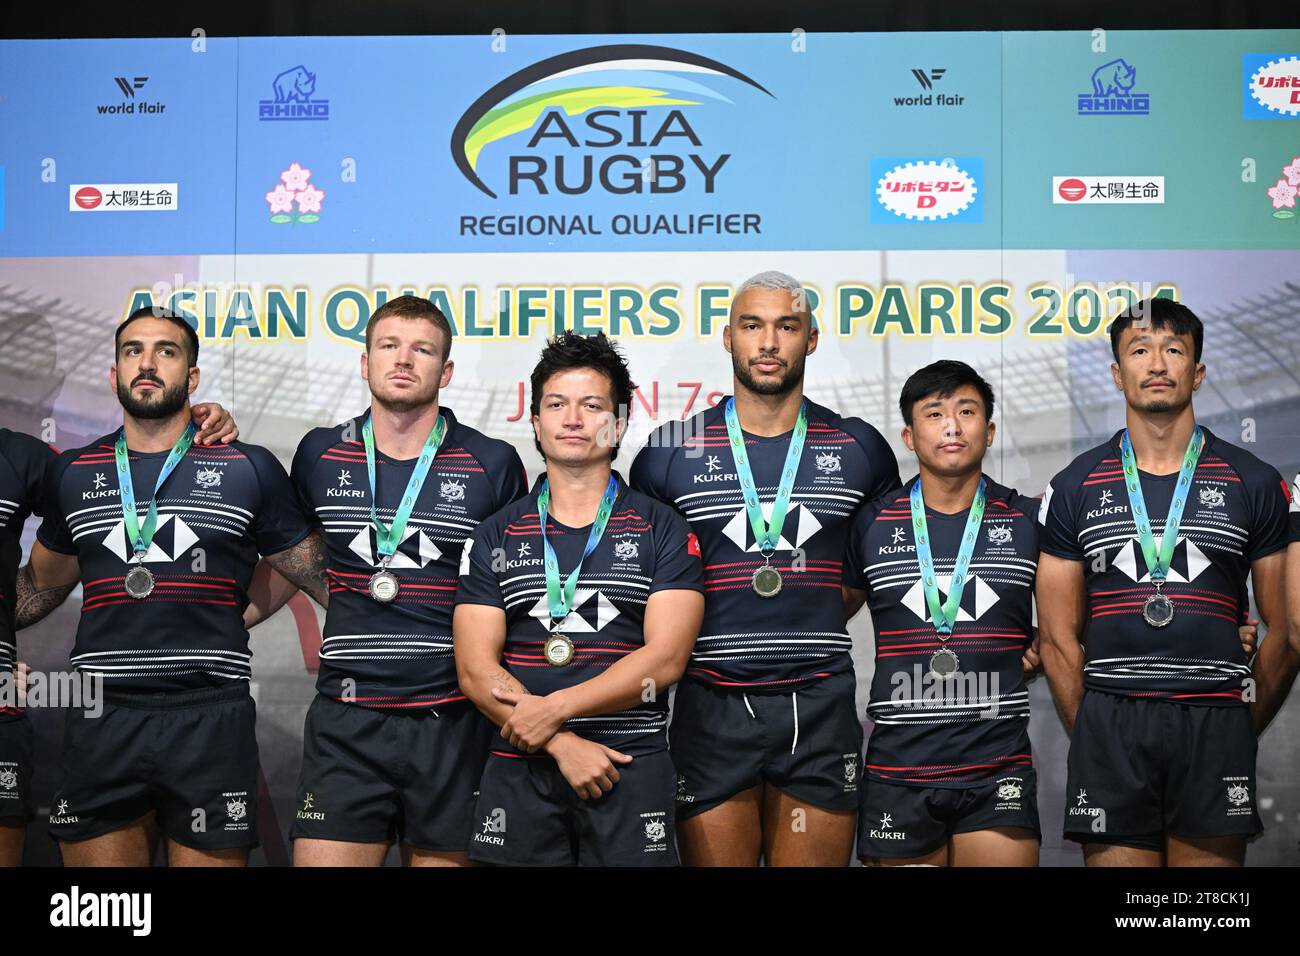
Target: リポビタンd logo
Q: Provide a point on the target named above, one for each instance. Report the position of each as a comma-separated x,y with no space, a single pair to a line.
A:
586,111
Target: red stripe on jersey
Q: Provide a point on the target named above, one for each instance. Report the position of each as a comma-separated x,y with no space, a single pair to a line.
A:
755,683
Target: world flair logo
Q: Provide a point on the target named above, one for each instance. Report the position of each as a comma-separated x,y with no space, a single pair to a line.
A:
611,119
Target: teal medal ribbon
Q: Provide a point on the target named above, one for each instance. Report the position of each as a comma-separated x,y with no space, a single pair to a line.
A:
943,615
766,581
1158,610
139,581
383,583
558,649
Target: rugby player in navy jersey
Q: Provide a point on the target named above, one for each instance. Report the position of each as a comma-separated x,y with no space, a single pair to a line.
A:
946,566
1293,566
163,535
23,463
1147,543
577,609
392,750
765,729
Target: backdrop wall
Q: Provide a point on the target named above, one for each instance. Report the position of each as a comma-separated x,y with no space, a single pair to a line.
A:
995,197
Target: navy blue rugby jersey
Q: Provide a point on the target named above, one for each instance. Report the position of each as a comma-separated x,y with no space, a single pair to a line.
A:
1236,512
748,641
968,729
23,461
646,547
218,510
1295,509
398,655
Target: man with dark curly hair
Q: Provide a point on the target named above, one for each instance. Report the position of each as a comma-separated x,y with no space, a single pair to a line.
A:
577,609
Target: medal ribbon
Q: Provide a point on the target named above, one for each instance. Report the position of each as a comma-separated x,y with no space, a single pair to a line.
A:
388,537
767,534
1158,562
560,598
142,537
944,615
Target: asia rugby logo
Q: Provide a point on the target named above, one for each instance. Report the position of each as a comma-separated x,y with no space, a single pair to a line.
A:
602,100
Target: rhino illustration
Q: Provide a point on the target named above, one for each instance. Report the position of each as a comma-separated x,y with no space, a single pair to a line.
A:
297,85
1115,77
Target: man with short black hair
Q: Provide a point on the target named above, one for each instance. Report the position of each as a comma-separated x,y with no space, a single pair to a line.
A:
946,566
23,463
1147,543
765,726
392,750
161,625
576,612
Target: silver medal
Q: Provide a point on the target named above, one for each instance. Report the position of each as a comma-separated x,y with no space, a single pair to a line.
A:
944,663
139,582
558,650
383,586
1158,610
767,581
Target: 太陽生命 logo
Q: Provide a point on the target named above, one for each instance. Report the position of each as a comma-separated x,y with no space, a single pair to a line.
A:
1270,86
295,188
927,190
1114,92
1108,190
122,197
585,111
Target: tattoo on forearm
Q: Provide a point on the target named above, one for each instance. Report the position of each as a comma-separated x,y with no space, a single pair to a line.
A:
31,604
304,565
506,681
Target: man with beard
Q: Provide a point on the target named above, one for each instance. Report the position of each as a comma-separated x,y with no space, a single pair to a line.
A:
765,732
392,750
23,463
1147,543
163,595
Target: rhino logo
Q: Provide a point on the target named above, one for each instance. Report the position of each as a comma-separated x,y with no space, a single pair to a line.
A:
1115,78
295,85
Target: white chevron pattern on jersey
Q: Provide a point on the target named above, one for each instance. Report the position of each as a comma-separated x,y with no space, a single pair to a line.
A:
976,599
577,621
363,544
172,539
1187,563
799,520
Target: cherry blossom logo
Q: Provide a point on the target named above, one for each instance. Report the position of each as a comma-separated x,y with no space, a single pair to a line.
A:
295,188
1284,191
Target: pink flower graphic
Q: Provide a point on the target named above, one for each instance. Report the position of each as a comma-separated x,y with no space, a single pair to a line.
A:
1283,194
1292,172
281,200
295,177
309,199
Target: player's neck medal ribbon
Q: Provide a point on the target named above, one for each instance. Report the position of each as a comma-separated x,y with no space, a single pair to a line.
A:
558,649
766,581
944,661
383,583
139,581
1158,610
